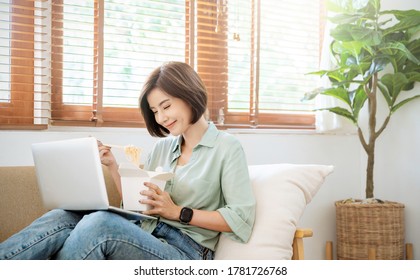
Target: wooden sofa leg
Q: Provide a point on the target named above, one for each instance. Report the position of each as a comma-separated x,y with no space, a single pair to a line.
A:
298,251
329,250
409,251
371,254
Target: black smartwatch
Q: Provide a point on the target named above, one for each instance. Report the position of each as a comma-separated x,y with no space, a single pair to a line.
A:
186,215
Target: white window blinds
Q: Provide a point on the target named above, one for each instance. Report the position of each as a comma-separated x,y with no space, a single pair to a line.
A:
65,62
272,45
24,85
106,50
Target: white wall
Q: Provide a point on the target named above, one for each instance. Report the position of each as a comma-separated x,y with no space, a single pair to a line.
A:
397,172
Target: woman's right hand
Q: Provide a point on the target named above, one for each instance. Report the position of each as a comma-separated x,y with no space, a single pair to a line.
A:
106,156
108,159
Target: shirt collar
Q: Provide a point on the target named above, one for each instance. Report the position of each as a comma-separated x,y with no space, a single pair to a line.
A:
208,139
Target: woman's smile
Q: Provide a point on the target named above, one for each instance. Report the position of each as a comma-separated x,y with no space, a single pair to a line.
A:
170,125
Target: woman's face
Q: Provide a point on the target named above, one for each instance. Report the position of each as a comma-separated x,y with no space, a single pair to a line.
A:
170,112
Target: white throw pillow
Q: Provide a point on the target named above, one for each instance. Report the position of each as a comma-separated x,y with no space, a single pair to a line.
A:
282,192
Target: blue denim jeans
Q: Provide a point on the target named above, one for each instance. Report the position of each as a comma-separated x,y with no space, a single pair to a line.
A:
61,234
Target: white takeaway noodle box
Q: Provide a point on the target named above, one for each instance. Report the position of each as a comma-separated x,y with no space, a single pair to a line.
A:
132,183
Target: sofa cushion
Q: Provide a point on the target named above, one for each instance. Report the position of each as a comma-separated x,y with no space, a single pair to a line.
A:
282,192
20,200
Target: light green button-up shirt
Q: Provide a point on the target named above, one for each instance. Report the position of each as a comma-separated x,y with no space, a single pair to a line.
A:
215,178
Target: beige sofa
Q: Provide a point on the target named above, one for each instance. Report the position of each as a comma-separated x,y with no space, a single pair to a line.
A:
20,203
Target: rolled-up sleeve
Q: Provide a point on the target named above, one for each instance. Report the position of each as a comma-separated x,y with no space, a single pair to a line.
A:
239,211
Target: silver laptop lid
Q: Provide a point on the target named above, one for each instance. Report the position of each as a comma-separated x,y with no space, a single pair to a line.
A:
69,174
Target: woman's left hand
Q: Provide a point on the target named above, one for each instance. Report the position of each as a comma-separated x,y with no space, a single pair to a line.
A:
161,202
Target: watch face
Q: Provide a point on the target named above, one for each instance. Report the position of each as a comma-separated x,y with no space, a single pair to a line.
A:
186,215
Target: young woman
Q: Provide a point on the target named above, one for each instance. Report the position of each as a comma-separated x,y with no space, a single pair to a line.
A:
209,195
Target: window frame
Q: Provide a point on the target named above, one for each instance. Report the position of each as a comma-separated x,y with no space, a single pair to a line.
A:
97,115
89,115
19,111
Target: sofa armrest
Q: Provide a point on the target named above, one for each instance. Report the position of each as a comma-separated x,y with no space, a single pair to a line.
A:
298,250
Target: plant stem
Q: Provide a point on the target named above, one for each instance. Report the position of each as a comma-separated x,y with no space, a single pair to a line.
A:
362,139
372,103
369,171
383,125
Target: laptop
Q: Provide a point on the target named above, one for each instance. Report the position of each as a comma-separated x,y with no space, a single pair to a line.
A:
70,177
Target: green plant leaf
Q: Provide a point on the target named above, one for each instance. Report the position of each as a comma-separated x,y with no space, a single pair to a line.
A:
359,100
346,6
385,48
405,101
394,84
414,47
359,4
356,70
342,32
413,31
341,112
336,75
378,64
367,36
318,73
362,35
339,93
413,76
409,66
401,14
336,6
345,18
385,93
407,20
399,61
351,47
312,94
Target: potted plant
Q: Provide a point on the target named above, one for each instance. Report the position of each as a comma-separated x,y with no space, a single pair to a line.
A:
377,56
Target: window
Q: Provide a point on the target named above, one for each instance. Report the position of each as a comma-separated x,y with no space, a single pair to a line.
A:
91,57
23,87
265,88
4,52
102,53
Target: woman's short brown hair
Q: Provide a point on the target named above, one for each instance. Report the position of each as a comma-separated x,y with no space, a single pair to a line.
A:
179,80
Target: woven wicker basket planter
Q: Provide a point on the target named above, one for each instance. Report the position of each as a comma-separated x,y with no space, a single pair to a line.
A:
361,227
